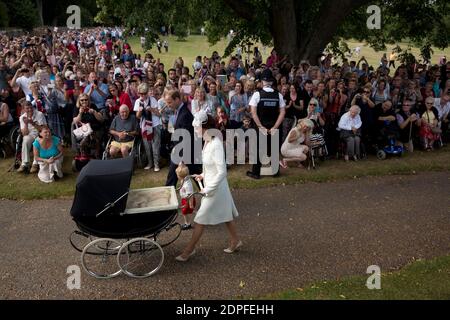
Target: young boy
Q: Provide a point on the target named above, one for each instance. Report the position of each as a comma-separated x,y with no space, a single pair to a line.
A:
186,190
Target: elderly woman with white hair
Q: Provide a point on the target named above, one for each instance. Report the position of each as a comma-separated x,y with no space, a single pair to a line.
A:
296,145
350,127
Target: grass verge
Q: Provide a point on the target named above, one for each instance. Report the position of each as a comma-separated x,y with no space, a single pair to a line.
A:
420,280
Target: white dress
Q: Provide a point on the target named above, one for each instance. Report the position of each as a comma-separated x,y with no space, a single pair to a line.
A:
218,205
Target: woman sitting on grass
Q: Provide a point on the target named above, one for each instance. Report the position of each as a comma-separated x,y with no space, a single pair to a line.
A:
48,152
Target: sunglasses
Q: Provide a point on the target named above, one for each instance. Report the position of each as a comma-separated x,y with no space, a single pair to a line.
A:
366,91
84,100
313,104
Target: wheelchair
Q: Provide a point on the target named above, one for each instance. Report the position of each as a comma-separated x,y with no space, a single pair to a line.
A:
138,151
386,144
8,140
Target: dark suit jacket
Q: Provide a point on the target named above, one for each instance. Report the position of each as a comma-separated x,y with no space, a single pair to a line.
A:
184,121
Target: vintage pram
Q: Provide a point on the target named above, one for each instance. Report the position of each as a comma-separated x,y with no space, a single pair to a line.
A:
121,230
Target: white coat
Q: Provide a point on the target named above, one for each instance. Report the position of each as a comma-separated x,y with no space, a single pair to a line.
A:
218,205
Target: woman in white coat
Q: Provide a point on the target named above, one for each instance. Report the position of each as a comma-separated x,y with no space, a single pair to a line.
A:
217,205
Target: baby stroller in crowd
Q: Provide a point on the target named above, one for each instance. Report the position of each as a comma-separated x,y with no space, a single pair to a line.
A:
318,147
85,146
386,143
131,226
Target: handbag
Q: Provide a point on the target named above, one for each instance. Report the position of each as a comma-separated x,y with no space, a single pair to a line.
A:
147,130
435,130
83,131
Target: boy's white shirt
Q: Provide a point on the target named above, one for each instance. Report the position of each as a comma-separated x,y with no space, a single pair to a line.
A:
186,189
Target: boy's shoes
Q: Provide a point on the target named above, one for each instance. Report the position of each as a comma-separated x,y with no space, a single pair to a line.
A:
157,169
186,226
34,168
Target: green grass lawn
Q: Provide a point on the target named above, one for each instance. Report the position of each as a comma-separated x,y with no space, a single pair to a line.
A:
421,280
197,45
21,186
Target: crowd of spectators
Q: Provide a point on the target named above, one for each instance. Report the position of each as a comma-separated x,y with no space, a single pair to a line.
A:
93,76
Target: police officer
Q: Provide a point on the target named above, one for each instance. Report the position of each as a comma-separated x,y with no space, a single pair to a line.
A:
268,111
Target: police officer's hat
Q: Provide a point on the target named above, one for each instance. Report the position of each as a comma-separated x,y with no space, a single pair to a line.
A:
267,75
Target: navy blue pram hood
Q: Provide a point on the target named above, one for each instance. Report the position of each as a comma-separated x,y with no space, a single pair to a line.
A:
100,183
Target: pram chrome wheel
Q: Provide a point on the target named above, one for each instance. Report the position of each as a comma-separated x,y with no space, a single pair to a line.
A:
381,155
99,258
140,257
169,234
79,240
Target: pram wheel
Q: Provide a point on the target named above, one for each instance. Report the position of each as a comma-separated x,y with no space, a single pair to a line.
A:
169,234
140,257
79,240
381,155
99,258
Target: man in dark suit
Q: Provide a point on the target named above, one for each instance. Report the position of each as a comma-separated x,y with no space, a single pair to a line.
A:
183,120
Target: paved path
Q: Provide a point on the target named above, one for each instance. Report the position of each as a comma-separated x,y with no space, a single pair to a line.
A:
292,235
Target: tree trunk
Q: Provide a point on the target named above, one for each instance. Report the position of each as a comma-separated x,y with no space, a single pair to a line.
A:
39,9
307,44
282,20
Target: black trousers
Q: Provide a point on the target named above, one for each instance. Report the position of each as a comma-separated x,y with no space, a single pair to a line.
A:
256,168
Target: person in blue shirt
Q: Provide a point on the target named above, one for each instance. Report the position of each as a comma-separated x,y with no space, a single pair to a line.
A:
97,91
48,152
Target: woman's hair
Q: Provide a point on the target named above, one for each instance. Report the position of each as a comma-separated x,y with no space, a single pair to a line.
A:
314,100
306,122
430,100
198,91
44,127
83,95
242,87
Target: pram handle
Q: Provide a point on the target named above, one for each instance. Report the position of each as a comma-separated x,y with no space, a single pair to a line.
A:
111,205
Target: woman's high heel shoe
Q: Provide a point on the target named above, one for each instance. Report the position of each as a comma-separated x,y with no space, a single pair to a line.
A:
180,258
231,250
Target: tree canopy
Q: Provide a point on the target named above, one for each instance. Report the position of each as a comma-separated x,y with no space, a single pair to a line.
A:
300,29
28,14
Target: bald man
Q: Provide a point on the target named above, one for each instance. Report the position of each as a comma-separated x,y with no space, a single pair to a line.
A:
124,128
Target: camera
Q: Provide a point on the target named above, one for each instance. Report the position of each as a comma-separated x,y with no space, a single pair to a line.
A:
96,82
